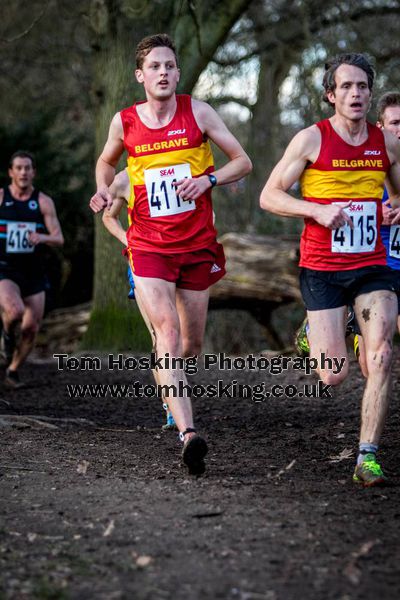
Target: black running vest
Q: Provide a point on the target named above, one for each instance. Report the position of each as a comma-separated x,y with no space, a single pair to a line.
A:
17,218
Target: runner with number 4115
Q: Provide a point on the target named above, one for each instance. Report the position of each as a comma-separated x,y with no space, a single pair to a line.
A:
342,163
360,235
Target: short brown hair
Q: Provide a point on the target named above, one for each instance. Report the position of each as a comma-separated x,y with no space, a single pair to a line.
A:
362,61
22,154
388,99
149,43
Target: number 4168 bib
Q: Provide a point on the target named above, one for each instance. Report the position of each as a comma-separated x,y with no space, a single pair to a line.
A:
362,237
18,237
161,192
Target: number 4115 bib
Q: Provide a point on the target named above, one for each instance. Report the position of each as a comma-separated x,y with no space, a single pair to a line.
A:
363,235
161,192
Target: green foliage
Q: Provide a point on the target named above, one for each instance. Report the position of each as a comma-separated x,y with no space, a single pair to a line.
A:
113,328
46,589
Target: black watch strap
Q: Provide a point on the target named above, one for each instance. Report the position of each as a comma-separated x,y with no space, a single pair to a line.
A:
213,179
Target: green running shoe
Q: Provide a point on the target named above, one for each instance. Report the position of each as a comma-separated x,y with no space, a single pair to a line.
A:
301,340
369,473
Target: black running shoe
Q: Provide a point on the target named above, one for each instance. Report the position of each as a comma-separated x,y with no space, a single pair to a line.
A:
12,380
193,454
8,346
351,321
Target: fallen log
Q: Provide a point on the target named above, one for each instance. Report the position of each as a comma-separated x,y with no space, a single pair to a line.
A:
262,274
62,329
259,268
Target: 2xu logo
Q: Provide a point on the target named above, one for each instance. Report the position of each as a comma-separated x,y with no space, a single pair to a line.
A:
372,153
176,132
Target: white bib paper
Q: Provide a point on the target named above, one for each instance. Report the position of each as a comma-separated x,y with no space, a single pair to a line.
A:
161,192
18,237
394,241
363,236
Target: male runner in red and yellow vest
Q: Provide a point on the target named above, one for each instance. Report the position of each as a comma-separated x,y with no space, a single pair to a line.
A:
342,163
171,241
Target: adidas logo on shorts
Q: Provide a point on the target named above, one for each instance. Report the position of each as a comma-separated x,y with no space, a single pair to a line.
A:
215,268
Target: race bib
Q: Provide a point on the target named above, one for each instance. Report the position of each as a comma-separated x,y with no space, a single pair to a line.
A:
18,237
394,241
363,236
161,192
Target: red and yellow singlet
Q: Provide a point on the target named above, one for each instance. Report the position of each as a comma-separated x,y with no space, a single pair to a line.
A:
159,221
343,172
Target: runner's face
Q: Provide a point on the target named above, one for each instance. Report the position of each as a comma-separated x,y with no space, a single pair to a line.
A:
159,74
22,172
391,120
352,95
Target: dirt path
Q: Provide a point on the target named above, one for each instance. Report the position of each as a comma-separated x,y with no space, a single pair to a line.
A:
94,503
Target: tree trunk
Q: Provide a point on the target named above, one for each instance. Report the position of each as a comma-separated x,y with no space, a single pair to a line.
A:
114,322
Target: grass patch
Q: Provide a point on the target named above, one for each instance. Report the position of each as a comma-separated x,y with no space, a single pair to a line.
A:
47,590
116,329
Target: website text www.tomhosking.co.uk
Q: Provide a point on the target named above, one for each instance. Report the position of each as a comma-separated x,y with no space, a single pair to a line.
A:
258,392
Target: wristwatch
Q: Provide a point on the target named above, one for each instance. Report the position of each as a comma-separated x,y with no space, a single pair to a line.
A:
213,180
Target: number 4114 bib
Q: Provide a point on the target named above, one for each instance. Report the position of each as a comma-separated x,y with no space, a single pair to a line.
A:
363,235
161,191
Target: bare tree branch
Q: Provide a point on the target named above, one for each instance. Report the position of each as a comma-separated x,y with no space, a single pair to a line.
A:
285,36
225,99
28,29
229,62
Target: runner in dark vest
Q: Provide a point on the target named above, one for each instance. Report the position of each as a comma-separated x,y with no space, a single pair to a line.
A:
28,219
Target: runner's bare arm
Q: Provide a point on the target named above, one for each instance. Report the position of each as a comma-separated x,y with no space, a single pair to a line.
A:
393,178
105,167
54,237
119,191
274,198
239,163
386,209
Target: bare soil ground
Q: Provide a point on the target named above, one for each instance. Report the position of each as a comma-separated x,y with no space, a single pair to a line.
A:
95,504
